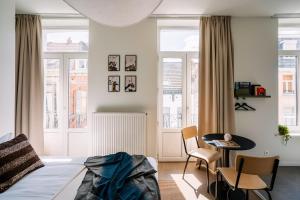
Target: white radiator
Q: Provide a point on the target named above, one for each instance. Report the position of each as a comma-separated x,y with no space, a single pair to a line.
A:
114,132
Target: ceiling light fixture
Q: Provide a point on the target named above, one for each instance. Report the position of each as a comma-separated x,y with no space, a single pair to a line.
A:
117,13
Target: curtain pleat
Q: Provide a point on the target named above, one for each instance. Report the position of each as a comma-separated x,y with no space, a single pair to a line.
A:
216,76
29,80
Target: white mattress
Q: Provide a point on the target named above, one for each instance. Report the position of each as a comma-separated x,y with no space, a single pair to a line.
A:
58,180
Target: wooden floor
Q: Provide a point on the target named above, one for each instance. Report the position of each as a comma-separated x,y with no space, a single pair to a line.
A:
173,187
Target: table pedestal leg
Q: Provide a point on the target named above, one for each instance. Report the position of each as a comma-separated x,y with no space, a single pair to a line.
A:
226,157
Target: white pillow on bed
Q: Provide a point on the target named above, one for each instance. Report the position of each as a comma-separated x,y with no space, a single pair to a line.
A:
5,137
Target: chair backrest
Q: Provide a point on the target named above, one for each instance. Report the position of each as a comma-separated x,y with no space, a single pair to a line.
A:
189,132
261,166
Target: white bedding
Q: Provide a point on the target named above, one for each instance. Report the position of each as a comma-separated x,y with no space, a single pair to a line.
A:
58,180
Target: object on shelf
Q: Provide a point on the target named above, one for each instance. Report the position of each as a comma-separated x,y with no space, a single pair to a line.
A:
253,88
260,91
242,88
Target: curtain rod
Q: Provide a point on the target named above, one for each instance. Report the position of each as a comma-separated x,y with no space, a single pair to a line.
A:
77,15
184,16
61,16
287,15
180,16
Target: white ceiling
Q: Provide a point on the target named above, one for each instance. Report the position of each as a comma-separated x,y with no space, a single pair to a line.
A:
211,7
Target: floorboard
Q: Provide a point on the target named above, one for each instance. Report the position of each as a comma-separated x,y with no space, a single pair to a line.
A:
173,187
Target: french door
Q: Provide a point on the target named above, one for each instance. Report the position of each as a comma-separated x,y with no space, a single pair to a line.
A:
65,103
178,102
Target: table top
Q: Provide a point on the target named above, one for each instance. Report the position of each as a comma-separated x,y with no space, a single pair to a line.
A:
245,143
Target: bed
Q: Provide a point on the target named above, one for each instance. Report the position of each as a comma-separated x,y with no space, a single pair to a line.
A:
58,180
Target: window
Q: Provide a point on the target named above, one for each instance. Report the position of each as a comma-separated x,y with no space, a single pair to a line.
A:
172,92
65,40
78,76
289,38
179,74
51,72
178,84
66,79
288,69
288,83
184,40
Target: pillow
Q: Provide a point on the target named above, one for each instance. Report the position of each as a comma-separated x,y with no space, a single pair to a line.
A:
17,158
5,137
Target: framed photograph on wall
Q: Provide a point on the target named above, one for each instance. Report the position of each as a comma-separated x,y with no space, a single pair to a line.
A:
113,62
113,83
130,83
130,62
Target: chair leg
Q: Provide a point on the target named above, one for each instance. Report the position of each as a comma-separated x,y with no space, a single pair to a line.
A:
200,163
269,194
187,161
207,174
216,186
247,194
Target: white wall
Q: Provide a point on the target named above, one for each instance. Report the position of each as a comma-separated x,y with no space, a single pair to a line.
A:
255,56
255,47
139,39
7,65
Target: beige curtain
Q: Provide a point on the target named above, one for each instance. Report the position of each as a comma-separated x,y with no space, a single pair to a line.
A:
216,80
29,80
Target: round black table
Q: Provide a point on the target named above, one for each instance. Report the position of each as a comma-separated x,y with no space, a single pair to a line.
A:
245,144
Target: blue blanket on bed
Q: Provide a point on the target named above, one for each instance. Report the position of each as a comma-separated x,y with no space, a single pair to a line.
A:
118,176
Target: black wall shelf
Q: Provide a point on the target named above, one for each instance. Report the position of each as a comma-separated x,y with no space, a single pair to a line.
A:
251,96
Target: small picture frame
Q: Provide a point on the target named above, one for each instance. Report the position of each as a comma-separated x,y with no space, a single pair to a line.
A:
113,83
130,83
113,63
130,62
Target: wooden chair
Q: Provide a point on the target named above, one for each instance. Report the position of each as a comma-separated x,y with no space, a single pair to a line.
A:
206,155
247,172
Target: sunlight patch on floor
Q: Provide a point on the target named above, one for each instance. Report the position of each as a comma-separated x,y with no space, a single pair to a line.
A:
189,186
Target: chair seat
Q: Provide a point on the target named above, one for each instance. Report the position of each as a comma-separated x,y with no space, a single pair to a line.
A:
247,181
208,155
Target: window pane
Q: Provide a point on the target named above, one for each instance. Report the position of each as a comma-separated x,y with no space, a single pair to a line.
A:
51,87
287,90
172,92
179,40
194,91
65,40
78,83
289,38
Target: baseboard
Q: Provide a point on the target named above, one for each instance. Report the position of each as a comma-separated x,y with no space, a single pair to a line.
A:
289,163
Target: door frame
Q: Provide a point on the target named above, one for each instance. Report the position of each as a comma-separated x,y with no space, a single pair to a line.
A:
185,56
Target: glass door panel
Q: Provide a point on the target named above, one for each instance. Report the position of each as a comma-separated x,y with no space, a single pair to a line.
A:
51,93
172,85
193,85
287,73
77,90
